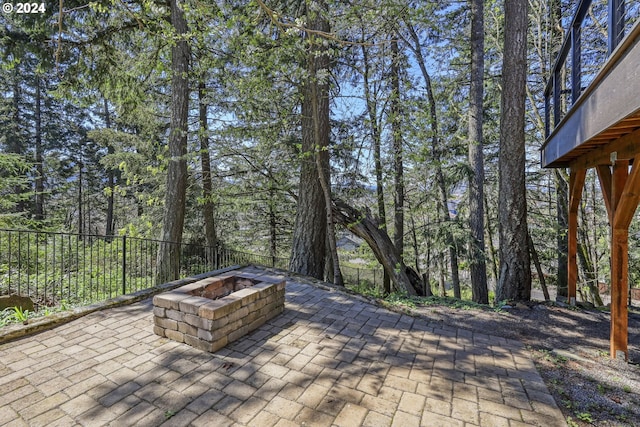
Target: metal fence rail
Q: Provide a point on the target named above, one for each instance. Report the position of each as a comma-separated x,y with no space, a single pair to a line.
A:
53,267
368,277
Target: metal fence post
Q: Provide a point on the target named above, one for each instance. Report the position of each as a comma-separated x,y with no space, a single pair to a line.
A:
124,265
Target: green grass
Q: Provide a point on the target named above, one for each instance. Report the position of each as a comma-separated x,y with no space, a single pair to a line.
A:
400,300
13,315
365,288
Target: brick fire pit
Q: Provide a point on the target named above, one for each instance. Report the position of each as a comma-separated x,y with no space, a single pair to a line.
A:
210,313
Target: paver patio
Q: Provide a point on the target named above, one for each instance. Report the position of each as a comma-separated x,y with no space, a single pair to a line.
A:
330,359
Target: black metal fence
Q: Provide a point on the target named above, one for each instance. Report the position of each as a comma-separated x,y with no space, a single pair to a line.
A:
52,268
78,269
367,277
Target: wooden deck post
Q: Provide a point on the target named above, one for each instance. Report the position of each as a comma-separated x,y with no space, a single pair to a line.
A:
619,290
576,184
619,263
625,194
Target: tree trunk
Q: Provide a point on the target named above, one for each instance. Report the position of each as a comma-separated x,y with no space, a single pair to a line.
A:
515,265
273,223
585,253
111,184
331,231
377,157
451,243
536,262
205,162
15,141
310,230
325,183
174,207
476,158
80,197
436,158
398,168
556,28
39,157
442,285
309,233
591,280
562,215
426,276
490,234
367,228
414,241
319,64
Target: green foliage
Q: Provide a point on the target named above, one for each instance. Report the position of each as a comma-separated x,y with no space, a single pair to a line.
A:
14,187
461,304
6,317
401,300
602,389
572,423
15,315
364,288
20,315
585,416
10,315
552,357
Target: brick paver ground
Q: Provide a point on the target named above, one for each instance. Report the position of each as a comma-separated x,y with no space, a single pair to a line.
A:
331,359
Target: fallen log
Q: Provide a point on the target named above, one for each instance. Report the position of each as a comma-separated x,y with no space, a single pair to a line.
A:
364,225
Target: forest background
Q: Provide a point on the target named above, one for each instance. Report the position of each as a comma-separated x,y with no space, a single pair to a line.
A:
273,127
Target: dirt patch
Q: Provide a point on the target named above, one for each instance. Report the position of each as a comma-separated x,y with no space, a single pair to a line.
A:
570,347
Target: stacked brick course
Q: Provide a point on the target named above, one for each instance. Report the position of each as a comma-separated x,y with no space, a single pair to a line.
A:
213,312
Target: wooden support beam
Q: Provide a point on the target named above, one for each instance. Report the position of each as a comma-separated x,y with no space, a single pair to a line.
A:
576,184
629,199
619,291
626,147
619,262
618,182
604,176
625,198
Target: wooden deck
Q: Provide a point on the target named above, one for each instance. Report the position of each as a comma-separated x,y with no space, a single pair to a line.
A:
606,111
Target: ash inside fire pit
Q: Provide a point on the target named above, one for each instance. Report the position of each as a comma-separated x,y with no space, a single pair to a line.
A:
218,287
210,313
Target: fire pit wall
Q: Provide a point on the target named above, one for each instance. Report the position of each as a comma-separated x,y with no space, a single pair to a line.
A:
210,313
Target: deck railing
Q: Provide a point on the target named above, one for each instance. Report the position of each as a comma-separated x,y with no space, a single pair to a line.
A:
584,50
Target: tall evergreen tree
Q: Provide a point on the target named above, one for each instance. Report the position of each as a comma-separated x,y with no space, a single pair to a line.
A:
515,269
476,156
175,201
310,231
395,112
